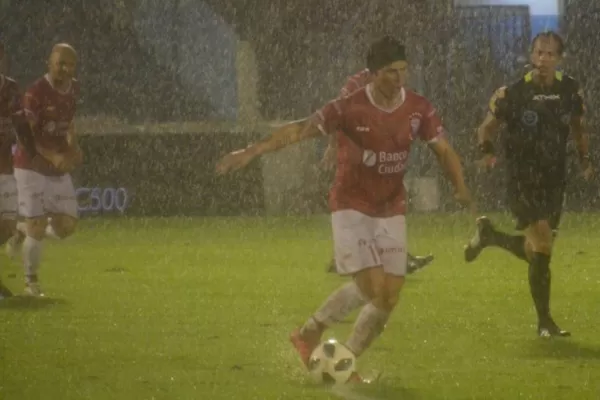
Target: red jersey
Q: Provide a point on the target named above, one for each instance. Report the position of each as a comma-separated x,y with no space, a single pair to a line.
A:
373,146
51,113
9,104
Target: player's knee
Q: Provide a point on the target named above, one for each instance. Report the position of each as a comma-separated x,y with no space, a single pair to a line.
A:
36,227
64,226
541,237
544,247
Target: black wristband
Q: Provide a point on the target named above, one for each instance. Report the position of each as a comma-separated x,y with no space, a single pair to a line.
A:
486,147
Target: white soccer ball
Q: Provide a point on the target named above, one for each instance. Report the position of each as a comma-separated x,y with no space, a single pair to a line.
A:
331,363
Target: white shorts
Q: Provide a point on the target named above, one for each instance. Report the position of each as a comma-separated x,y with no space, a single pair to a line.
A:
8,197
363,242
40,195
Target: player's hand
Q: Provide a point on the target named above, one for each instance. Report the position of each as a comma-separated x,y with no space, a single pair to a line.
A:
486,163
329,158
234,161
63,162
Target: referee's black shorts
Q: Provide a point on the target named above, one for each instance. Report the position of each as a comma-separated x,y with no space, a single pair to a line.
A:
532,203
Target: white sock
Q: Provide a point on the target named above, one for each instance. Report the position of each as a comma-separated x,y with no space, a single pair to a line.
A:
368,327
32,251
50,233
22,227
337,306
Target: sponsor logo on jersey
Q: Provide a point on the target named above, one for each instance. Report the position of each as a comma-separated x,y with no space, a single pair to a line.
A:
546,97
387,162
369,158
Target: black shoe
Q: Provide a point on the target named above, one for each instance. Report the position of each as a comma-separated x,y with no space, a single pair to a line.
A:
415,263
549,329
482,238
331,267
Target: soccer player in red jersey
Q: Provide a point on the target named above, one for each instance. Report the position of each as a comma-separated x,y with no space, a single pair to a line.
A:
45,190
375,127
9,104
353,83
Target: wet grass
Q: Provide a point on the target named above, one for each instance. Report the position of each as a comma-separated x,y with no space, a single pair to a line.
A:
201,309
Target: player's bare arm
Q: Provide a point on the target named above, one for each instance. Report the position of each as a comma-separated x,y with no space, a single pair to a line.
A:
450,162
488,128
582,140
283,136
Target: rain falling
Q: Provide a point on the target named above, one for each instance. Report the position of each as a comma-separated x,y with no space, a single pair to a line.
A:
243,199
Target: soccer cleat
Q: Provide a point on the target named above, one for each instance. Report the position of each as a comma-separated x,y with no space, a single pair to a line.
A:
304,347
14,244
415,263
549,329
480,240
33,289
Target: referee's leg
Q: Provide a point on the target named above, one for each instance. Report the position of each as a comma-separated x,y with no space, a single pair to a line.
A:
539,241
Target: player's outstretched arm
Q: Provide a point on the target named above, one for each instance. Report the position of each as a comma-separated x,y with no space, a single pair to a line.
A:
283,136
488,128
450,162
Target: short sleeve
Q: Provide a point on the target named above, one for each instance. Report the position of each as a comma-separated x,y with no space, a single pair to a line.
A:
354,83
578,103
431,129
31,104
350,87
498,103
329,118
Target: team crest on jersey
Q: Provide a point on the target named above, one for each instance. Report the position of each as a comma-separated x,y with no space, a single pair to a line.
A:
529,118
415,122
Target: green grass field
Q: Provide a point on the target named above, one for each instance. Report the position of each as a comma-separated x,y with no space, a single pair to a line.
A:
202,308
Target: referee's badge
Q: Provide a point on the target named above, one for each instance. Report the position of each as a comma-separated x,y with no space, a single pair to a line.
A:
529,118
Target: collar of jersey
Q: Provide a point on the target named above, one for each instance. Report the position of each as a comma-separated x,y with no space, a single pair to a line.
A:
402,96
557,75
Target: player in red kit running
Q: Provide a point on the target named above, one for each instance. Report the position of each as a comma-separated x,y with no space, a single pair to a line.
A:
45,190
375,128
9,104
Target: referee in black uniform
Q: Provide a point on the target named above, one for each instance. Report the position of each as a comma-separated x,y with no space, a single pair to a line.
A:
540,111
